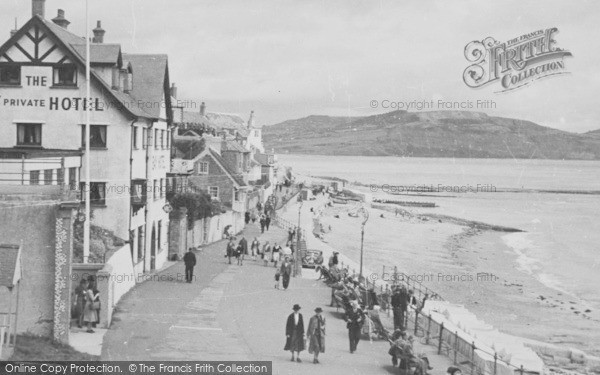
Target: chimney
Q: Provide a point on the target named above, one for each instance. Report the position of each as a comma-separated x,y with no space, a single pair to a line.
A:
213,142
38,8
202,109
251,119
60,19
174,91
13,32
98,33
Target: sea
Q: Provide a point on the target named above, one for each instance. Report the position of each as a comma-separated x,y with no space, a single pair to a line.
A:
555,203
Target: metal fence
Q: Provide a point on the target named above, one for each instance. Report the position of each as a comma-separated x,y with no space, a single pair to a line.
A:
466,355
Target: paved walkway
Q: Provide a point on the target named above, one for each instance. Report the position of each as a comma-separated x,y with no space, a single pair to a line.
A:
233,312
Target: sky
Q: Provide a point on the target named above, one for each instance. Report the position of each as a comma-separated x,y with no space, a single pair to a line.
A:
288,59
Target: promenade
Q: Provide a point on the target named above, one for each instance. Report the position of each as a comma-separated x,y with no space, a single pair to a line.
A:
233,312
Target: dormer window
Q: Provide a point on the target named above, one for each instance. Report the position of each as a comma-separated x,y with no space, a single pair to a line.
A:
65,75
10,75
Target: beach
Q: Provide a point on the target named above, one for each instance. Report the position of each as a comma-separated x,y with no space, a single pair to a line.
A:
538,284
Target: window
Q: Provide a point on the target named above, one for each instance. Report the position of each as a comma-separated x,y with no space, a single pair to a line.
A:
34,177
10,75
60,176
138,193
156,139
140,243
48,173
29,134
214,192
237,195
144,138
65,76
134,136
162,139
155,190
163,187
256,133
201,167
168,139
97,193
73,178
97,136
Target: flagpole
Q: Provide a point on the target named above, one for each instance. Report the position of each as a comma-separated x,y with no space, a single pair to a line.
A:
86,224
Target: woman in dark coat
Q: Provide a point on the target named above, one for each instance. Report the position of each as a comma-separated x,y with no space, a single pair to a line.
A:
315,334
294,333
286,272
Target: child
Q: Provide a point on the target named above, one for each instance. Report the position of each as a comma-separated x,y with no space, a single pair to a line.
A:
277,275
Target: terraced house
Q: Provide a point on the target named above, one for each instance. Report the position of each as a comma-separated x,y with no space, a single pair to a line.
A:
42,91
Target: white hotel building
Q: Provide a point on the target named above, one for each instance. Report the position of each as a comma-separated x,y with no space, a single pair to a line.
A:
42,86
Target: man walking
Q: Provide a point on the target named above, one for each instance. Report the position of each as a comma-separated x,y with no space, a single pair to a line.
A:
315,334
399,306
189,259
355,319
230,249
267,222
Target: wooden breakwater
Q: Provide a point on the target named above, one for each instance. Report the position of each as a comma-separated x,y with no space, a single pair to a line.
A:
405,203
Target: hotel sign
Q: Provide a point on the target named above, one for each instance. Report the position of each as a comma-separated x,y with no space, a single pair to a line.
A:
515,63
55,103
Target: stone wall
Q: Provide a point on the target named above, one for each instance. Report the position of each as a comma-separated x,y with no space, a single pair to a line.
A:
33,227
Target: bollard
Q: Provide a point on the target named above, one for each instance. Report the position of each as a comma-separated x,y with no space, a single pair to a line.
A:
441,338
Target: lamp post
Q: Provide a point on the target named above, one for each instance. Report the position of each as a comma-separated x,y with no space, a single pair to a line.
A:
365,214
297,258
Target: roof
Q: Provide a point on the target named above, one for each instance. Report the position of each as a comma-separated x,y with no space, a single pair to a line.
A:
150,81
226,121
69,40
195,118
10,270
233,146
188,148
101,53
235,177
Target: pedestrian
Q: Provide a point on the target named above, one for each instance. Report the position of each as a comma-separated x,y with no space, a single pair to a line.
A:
287,250
266,255
243,248
286,272
315,334
291,234
399,306
93,285
255,248
247,217
276,254
239,255
355,319
277,276
294,333
79,301
253,217
189,259
231,249
333,260
267,222
92,308
263,223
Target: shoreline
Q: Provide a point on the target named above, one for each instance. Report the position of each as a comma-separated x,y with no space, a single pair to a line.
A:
518,303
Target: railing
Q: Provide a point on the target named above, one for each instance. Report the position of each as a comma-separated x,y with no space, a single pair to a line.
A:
466,355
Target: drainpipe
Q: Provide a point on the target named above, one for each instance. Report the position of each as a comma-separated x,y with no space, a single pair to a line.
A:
131,241
149,137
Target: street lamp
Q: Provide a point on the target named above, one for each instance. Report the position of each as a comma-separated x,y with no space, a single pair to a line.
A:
297,258
365,214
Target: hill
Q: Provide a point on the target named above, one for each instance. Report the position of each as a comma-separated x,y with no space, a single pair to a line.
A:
459,134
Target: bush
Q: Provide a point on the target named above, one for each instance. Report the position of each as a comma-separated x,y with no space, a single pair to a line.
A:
199,205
